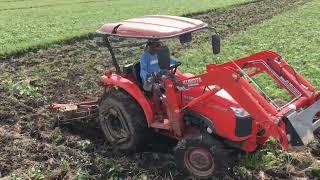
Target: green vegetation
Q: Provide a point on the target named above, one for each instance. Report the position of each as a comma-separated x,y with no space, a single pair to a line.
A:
295,35
22,87
82,174
32,24
84,144
36,173
269,156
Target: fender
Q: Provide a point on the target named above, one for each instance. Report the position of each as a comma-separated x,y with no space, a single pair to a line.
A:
131,88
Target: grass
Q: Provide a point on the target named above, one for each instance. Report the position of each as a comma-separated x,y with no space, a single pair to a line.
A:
295,35
26,25
269,156
23,87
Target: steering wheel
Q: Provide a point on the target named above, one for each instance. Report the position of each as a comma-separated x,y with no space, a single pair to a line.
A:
174,67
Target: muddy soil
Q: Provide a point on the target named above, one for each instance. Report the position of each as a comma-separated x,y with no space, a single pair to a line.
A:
29,137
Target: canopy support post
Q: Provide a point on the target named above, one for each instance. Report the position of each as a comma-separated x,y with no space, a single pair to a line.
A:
114,60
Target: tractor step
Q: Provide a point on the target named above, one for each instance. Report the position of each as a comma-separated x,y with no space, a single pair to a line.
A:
161,125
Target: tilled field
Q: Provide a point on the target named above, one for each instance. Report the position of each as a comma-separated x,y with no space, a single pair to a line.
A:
32,146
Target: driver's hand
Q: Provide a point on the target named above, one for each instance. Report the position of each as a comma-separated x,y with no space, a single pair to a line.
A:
147,85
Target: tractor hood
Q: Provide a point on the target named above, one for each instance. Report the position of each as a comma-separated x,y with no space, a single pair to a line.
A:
224,94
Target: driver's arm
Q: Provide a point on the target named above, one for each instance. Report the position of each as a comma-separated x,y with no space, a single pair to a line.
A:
143,67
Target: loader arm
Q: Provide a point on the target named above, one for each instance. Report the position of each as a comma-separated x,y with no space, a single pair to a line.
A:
268,118
260,110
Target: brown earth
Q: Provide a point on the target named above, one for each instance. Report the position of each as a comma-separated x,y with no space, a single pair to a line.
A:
70,73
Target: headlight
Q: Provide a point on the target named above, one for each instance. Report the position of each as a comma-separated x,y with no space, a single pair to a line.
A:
240,112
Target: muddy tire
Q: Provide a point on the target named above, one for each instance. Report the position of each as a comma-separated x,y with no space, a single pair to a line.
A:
123,121
201,156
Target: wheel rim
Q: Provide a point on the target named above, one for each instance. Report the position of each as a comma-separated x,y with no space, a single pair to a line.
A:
115,123
199,161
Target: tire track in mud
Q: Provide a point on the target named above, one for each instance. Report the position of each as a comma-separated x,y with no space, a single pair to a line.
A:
70,73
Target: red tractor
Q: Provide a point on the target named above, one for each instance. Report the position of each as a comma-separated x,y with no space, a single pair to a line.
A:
225,106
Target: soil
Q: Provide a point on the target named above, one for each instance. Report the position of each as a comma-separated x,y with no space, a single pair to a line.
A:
69,73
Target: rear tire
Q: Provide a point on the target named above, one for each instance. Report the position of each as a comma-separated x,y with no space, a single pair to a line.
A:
123,121
201,156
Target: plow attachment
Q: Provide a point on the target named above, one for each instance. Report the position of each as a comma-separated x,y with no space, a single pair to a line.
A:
301,125
67,113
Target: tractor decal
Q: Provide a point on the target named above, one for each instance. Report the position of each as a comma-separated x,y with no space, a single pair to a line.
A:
192,82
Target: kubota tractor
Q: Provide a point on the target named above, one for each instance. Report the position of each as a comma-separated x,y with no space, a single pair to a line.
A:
225,106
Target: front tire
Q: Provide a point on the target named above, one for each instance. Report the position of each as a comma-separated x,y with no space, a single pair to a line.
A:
122,121
201,156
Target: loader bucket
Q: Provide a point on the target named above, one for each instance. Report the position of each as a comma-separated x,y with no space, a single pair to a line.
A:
301,125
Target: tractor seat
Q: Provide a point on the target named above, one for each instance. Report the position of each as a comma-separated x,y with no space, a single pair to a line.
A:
136,73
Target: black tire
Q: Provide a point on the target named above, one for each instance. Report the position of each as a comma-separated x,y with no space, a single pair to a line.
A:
201,156
122,121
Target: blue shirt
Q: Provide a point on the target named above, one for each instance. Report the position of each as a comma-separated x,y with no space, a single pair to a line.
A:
149,64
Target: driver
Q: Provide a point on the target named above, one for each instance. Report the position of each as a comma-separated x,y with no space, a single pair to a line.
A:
149,60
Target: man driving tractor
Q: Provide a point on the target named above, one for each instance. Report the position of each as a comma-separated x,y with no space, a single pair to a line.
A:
149,60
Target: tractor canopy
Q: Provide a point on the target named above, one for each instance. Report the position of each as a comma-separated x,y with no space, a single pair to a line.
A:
152,27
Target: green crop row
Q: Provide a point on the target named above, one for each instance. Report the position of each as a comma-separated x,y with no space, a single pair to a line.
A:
26,25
